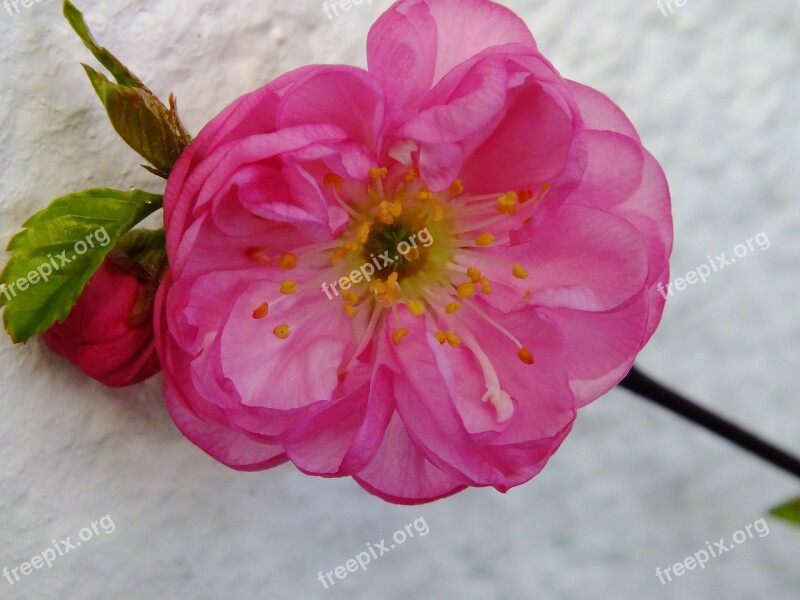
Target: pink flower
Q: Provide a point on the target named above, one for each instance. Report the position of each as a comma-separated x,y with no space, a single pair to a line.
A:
109,332
542,227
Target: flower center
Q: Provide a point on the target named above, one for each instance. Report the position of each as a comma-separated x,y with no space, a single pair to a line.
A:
408,246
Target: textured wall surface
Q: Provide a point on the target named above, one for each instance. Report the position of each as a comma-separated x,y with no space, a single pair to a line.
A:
713,88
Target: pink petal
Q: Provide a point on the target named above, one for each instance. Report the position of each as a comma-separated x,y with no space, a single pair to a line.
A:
416,42
273,373
399,473
342,96
345,437
601,345
579,257
600,113
454,434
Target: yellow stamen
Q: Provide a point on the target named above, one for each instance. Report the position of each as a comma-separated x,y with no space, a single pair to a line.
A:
413,175
474,274
452,339
452,307
466,290
287,262
388,212
258,254
350,297
281,332
334,181
363,232
441,337
261,312
288,287
398,335
486,287
416,308
379,173
423,195
485,239
456,187
519,272
350,310
526,356
437,213
507,203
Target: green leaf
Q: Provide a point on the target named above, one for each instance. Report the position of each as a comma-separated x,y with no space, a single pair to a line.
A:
58,251
146,125
790,511
108,60
139,117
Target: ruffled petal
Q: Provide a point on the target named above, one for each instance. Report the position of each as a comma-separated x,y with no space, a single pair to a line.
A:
399,473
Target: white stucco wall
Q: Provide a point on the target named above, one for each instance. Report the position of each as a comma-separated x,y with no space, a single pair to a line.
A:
714,90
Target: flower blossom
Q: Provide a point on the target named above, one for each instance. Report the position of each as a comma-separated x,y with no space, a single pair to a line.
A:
413,274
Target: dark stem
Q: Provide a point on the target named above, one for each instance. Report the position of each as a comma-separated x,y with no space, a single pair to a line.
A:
639,383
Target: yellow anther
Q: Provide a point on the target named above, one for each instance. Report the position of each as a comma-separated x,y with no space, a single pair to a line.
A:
412,254
423,195
350,310
507,203
350,297
452,339
281,332
486,287
485,239
526,356
261,312
398,335
452,307
466,290
416,308
349,246
379,173
258,255
391,281
519,272
334,181
456,187
474,274
363,232
287,262
413,175
441,337
288,287
383,293
387,212
437,213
